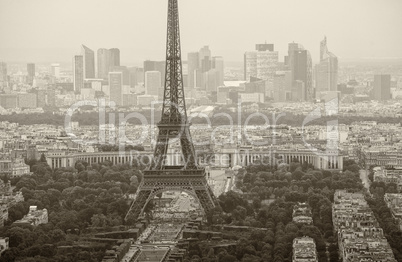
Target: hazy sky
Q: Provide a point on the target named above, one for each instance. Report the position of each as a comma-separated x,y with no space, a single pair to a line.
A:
53,30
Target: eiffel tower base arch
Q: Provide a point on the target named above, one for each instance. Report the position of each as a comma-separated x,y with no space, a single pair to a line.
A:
192,182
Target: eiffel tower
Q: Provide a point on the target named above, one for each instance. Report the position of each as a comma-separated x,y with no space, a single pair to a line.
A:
175,127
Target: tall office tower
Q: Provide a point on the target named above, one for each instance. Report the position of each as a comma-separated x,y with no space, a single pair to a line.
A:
78,73
199,78
301,67
382,87
282,86
124,71
31,73
107,60
326,71
103,55
292,47
323,48
205,59
149,66
193,64
298,61
212,80
260,64
136,76
160,66
116,87
217,64
155,66
114,57
89,62
153,82
264,47
55,70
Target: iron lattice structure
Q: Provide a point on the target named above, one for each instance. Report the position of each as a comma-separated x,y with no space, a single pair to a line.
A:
175,127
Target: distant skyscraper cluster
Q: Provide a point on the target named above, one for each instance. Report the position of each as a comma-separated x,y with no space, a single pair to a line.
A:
113,80
205,71
265,77
84,64
291,80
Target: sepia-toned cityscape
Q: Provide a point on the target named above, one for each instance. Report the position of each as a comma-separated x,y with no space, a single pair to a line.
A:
156,146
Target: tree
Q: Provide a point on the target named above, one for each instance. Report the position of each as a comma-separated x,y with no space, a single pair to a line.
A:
228,258
79,166
57,236
134,181
251,258
19,236
42,158
99,220
256,203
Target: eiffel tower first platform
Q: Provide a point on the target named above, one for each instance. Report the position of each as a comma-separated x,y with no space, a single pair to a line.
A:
175,127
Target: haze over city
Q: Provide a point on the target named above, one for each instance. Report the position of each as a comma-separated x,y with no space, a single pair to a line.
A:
48,30
189,131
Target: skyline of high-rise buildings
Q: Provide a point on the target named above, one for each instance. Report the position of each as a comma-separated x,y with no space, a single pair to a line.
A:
204,72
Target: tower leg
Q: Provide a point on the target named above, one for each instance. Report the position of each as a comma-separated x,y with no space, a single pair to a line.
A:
198,188
137,206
